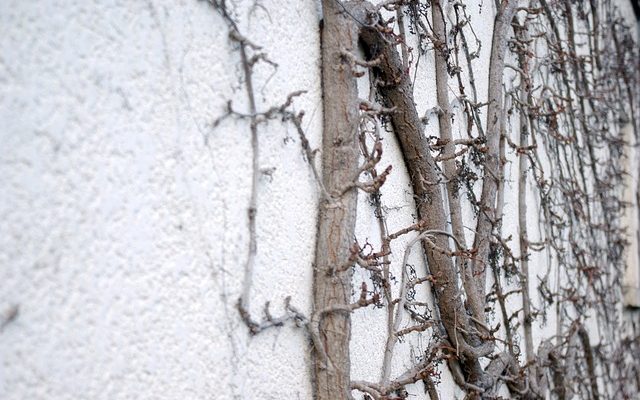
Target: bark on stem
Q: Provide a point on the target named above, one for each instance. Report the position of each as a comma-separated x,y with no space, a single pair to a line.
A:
395,88
450,171
337,215
492,166
525,98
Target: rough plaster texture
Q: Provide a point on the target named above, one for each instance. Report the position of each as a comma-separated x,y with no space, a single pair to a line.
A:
124,211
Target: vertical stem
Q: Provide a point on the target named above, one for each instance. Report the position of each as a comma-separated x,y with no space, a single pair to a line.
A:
243,302
492,165
403,36
450,170
337,215
525,98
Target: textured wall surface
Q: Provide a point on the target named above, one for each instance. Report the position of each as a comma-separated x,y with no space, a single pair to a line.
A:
124,211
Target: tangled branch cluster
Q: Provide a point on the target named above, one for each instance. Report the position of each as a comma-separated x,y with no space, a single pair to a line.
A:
563,94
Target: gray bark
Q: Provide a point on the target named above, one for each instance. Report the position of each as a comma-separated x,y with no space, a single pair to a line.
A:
337,214
492,166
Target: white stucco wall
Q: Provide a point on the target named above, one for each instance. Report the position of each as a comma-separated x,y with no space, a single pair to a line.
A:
124,211
124,214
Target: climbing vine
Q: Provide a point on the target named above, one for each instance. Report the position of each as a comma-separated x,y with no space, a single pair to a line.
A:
562,84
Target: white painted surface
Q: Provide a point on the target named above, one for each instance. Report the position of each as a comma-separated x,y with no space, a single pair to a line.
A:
124,212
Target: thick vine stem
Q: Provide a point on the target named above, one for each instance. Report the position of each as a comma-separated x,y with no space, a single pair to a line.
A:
474,301
492,165
396,89
337,216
